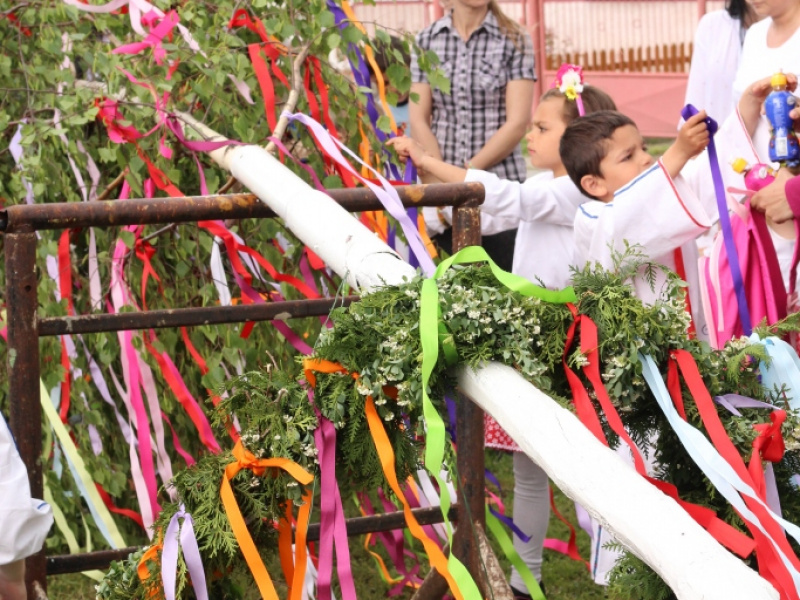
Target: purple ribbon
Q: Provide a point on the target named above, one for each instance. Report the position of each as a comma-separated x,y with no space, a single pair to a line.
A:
362,78
385,192
725,221
508,521
207,146
176,538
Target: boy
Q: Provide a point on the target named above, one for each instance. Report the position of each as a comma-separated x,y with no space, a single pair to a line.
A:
660,206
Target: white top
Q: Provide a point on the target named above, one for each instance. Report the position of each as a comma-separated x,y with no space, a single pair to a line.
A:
717,47
24,522
759,61
661,214
655,212
543,207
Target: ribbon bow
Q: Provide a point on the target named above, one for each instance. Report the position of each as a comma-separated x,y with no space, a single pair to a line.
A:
769,442
245,459
143,570
182,537
569,81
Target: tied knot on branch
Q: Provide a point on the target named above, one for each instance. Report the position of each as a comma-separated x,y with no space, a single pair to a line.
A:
247,460
769,443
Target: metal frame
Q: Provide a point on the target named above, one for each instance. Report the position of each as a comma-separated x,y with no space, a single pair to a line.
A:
20,224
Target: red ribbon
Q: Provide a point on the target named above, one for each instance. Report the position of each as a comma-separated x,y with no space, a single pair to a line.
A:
770,564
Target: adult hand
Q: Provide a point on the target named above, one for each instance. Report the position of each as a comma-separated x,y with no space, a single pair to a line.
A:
771,200
751,104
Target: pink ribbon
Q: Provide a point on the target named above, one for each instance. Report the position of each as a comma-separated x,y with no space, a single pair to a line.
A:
333,532
386,193
154,38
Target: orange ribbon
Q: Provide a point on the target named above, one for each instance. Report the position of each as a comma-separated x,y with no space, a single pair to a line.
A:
259,466
386,454
152,554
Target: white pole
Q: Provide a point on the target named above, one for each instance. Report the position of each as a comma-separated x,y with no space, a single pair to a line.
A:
643,519
349,248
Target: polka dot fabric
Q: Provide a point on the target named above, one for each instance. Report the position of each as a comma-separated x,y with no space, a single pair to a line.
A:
496,437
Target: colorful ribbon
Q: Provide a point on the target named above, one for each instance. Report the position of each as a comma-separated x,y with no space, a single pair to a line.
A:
725,220
243,459
181,537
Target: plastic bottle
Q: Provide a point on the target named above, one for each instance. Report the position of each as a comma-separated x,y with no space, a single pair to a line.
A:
783,145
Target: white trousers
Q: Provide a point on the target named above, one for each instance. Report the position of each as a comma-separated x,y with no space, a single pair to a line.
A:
531,514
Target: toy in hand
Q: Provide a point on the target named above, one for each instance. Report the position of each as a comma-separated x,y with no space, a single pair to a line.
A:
783,145
756,176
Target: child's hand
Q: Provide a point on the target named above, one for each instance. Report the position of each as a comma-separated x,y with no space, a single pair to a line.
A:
407,148
692,139
693,136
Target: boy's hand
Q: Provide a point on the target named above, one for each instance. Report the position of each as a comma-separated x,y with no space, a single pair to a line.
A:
692,139
407,148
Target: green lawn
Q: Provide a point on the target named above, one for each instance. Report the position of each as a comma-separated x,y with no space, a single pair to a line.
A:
563,577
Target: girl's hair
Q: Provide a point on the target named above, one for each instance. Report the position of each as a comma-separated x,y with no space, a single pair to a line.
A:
594,99
507,25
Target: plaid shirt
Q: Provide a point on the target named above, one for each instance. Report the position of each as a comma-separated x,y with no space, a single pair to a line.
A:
479,70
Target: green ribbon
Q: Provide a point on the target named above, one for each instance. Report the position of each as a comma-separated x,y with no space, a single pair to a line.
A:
502,537
432,331
71,450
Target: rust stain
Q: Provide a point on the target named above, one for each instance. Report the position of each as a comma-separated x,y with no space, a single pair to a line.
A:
415,194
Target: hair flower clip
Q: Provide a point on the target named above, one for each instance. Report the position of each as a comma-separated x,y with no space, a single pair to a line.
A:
569,81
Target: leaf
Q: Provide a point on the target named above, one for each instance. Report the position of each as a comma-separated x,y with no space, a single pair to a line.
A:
384,124
333,40
128,238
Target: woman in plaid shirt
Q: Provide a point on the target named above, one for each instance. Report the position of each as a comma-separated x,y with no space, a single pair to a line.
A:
480,123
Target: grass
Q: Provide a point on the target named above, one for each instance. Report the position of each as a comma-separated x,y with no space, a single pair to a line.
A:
564,578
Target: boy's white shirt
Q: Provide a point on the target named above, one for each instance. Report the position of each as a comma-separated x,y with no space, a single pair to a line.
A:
24,521
543,209
661,214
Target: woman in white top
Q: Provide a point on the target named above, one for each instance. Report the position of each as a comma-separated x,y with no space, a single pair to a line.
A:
771,45
715,57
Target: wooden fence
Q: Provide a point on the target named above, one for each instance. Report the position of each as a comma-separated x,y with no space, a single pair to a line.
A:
667,58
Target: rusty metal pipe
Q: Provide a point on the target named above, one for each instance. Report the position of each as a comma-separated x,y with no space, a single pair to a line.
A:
25,409
75,563
68,215
470,458
182,317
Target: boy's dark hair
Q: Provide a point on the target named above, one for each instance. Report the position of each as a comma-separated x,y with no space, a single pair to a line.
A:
585,143
594,100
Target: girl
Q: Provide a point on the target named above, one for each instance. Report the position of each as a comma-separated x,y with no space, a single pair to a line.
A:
543,207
